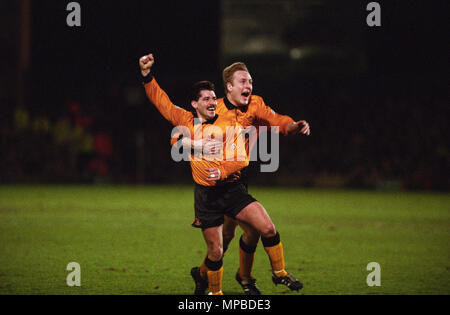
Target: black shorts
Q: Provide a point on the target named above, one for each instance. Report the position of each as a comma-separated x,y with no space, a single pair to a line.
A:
213,202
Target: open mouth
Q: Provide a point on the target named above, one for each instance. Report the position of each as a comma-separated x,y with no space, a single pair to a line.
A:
211,109
246,94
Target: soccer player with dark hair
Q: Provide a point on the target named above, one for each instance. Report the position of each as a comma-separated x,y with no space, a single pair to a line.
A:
218,190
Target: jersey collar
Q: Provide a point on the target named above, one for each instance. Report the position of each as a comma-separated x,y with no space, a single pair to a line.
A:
209,121
230,106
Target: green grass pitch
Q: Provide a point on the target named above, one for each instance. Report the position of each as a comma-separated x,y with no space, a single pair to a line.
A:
138,240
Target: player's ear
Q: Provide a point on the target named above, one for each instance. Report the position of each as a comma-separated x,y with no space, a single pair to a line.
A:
229,87
194,104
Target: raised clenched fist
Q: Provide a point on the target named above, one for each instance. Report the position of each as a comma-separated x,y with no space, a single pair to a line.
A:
145,63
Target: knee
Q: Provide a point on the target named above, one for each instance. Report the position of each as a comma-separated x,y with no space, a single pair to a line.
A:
268,230
215,252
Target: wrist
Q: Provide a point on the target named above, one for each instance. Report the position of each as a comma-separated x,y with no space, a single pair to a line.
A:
222,174
291,128
146,77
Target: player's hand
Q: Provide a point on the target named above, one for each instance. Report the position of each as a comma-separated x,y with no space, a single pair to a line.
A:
211,146
301,126
145,63
214,174
207,145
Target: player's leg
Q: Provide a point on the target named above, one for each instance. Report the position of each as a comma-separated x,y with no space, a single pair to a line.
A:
229,231
208,217
213,261
247,247
200,274
255,215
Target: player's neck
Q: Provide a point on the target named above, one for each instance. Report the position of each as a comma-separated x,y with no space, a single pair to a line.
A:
230,100
202,118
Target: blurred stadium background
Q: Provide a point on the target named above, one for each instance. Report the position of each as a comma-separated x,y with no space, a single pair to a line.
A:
73,109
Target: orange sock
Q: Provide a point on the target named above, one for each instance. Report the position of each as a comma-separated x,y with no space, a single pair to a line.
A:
204,269
274,250
215,281
276,259
214,273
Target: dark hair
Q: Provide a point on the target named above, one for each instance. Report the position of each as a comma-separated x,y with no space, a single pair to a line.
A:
198,87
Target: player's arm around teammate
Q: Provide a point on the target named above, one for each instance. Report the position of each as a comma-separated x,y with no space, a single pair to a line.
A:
251,110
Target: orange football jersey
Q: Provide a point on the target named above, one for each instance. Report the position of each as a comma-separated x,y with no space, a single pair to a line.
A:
233,156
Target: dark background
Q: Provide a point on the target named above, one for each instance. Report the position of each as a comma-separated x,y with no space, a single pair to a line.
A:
73,109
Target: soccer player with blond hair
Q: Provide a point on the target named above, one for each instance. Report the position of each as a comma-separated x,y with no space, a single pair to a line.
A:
248,110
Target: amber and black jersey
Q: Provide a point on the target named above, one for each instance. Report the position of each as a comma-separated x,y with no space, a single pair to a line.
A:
216,127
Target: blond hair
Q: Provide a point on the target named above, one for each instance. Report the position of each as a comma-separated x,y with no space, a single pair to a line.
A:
229,71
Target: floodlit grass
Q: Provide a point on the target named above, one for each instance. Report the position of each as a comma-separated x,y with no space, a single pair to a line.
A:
138,240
